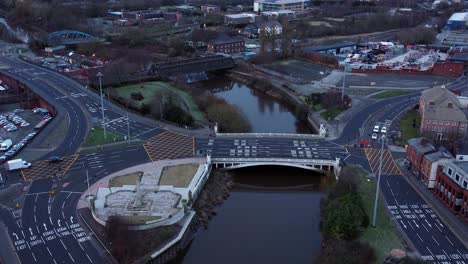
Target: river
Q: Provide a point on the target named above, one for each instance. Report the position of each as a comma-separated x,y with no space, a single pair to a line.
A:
264,113
264,220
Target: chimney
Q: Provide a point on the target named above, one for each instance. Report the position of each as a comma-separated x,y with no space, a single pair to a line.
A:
424,142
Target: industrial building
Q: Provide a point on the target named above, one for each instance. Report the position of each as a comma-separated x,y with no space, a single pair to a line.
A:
458,21
239,19
276,5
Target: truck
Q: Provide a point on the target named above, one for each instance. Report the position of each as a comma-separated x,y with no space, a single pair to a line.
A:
6,145
17,164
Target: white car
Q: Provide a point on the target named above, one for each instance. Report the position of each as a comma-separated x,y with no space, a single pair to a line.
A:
374,136
376,129
383,129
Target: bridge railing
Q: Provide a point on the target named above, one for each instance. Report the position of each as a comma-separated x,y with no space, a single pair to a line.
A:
269,135
278,160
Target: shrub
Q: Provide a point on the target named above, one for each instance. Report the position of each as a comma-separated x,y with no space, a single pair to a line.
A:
137,96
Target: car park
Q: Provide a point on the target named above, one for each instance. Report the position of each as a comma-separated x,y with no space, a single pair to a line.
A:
376,129
374,136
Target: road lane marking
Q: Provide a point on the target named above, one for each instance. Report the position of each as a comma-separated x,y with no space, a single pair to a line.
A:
420,237
48,250
89,258
425,227
430,251
34,257
71,257
451,243
63,244
435,240
446,254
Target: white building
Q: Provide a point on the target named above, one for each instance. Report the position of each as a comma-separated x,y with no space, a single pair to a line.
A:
275,5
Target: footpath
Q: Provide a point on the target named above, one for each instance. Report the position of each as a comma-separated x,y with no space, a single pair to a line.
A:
453,222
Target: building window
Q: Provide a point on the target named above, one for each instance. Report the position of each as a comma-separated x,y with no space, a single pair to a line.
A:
449,171
457,177
465,184
447,123
441,122
454,123
433,129
440,129
434,122
428,121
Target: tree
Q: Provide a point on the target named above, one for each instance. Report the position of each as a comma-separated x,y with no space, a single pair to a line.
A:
347,252
344,217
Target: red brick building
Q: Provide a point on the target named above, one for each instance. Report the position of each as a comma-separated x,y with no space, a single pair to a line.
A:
227,45
430,163
442,115
452,187
415,151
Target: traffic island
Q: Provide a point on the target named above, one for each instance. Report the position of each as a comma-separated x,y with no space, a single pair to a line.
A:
150,203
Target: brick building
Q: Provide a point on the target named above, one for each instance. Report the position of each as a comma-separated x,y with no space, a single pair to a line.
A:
452,187
415,151
442,115
430,163
227,45
207,8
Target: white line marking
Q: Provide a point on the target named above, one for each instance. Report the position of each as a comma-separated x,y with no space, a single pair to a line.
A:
34,257
63,244
420,237
437,242
451,243
50,253
71,257
89,258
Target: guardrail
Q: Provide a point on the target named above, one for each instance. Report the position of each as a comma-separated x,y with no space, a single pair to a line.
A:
269,135
279,160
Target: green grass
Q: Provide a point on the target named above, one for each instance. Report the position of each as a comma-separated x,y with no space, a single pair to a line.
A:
390,93
332,113
150,91
406,125
127,179
385,236
96,137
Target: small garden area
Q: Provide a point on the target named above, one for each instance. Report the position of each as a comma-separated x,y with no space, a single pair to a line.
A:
178,175
127,179
330,103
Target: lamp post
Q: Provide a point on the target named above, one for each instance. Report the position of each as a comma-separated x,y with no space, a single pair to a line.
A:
99,75
382,139
342,90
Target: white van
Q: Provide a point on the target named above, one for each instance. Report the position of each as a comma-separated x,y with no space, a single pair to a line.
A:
6,145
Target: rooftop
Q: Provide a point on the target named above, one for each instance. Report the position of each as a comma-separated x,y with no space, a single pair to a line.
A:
241,15
416,143
279,2
227,40
438,155
337,45
459,17
460,57
462,165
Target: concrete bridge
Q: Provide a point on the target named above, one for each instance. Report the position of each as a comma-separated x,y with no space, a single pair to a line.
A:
305,151
193,65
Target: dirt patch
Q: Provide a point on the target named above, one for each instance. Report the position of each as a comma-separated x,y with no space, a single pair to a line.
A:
178,175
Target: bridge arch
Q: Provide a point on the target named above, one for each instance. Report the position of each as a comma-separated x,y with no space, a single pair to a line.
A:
233,166
69,37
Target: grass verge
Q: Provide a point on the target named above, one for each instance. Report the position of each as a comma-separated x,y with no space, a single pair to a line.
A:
127,179
178,175
332,113
384,237
150,91
390,93
96,137
406,125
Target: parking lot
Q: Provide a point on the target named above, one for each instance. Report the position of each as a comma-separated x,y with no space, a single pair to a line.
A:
18,125
169,145
300,69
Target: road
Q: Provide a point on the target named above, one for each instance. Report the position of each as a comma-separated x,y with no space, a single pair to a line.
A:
48,229
431,237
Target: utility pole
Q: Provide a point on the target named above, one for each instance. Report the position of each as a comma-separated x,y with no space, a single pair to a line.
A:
382,139
87,181
128,129
342,90
99,75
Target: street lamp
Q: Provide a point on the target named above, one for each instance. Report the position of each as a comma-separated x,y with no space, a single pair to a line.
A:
382,139
99,75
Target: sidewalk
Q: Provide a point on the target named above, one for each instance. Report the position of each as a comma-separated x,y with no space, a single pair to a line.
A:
453,222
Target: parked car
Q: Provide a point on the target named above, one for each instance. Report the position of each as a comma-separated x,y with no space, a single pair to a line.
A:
55,159
383,129
6,145
374,136
3,158
376,129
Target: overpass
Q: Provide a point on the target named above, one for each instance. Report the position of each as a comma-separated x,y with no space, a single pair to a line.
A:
66,37
192,65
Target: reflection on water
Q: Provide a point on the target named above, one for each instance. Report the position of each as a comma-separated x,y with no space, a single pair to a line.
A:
264,226
264,113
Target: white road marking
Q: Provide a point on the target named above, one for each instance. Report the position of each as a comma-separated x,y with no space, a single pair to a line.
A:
48,250
446,254
451,243
34,257
420,237
430,251
435,240
63,244
89,258
71,257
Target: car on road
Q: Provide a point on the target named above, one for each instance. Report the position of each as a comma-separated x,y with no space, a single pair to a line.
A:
376,129
383,129
55,159
374,136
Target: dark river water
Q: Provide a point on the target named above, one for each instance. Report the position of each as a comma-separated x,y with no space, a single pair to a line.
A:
264,113
274,224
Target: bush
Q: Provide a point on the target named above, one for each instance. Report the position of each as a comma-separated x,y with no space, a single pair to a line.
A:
347,252
137,96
